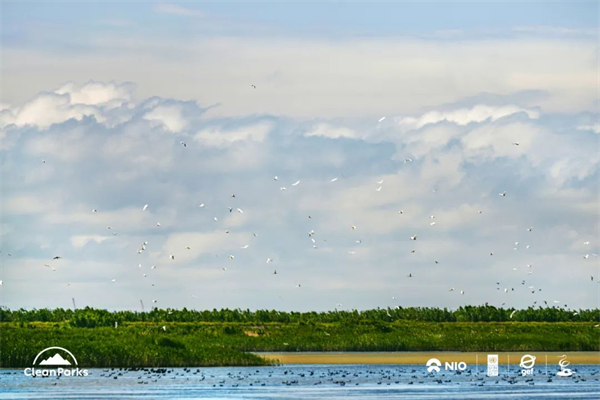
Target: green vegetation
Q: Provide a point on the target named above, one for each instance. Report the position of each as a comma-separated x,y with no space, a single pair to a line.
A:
91,317
224,337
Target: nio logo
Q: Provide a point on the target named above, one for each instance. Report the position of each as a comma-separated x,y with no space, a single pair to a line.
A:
433,364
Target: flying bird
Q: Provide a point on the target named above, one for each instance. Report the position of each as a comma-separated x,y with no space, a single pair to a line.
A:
145,207
381,119
296,183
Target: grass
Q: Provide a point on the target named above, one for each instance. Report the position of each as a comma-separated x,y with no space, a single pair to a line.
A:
190,344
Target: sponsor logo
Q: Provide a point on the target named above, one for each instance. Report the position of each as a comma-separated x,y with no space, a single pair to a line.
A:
434,365
492,365
52,361
563,364
527,364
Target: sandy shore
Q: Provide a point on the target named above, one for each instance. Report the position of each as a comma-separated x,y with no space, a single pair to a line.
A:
422,357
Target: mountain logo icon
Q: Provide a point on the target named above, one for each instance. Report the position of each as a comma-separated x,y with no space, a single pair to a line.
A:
56,359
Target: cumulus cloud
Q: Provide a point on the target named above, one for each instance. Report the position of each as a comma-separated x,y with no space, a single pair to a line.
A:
329,131
463,116
462,157
220,137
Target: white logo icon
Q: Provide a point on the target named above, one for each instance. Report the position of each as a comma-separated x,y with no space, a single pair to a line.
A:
492,365
433,364
527,364
563,363
56,359
55,362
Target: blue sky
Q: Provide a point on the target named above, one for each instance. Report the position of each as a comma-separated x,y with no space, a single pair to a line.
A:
110,106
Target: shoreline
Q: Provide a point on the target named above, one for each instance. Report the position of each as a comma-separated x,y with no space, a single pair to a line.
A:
415,357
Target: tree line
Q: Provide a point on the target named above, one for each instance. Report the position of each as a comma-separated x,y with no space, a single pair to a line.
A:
93,317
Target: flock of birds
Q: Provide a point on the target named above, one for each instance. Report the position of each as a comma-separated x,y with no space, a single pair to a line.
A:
325,377
312,237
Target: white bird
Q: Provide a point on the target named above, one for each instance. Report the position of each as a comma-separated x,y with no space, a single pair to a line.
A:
381,119
224,269
275,178
240,211
432,223
586,242
164,328
153,267
407,160
351,252
155,301
462,292
380,182
378,189
414,237
352,227
530,229
139,265
114,280
184,144
172,257
94,210
215,218
503,194
145,275
299,285
512,313
269,260
158,224
274,272
244,247
145,207
401,212
201,205
334,179
516,143
451,289
231,256
282,188
296,183
586,256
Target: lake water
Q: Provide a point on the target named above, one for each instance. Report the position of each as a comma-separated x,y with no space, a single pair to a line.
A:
306,382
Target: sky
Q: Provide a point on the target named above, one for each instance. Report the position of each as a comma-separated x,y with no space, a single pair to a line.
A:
470,127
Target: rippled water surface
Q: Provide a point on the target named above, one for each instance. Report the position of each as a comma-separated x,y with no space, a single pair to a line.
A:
304,382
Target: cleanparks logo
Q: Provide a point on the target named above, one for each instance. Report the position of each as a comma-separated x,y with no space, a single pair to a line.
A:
53,361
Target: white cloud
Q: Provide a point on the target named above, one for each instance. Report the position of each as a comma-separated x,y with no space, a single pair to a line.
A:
220,137
169,116
328,131
80,241
463,116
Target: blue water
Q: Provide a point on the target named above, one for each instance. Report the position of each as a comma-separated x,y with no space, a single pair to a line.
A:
305,382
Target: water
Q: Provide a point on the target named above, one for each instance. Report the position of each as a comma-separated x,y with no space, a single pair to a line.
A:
304,382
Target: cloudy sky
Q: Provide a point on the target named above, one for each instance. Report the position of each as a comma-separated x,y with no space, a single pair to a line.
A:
98,98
